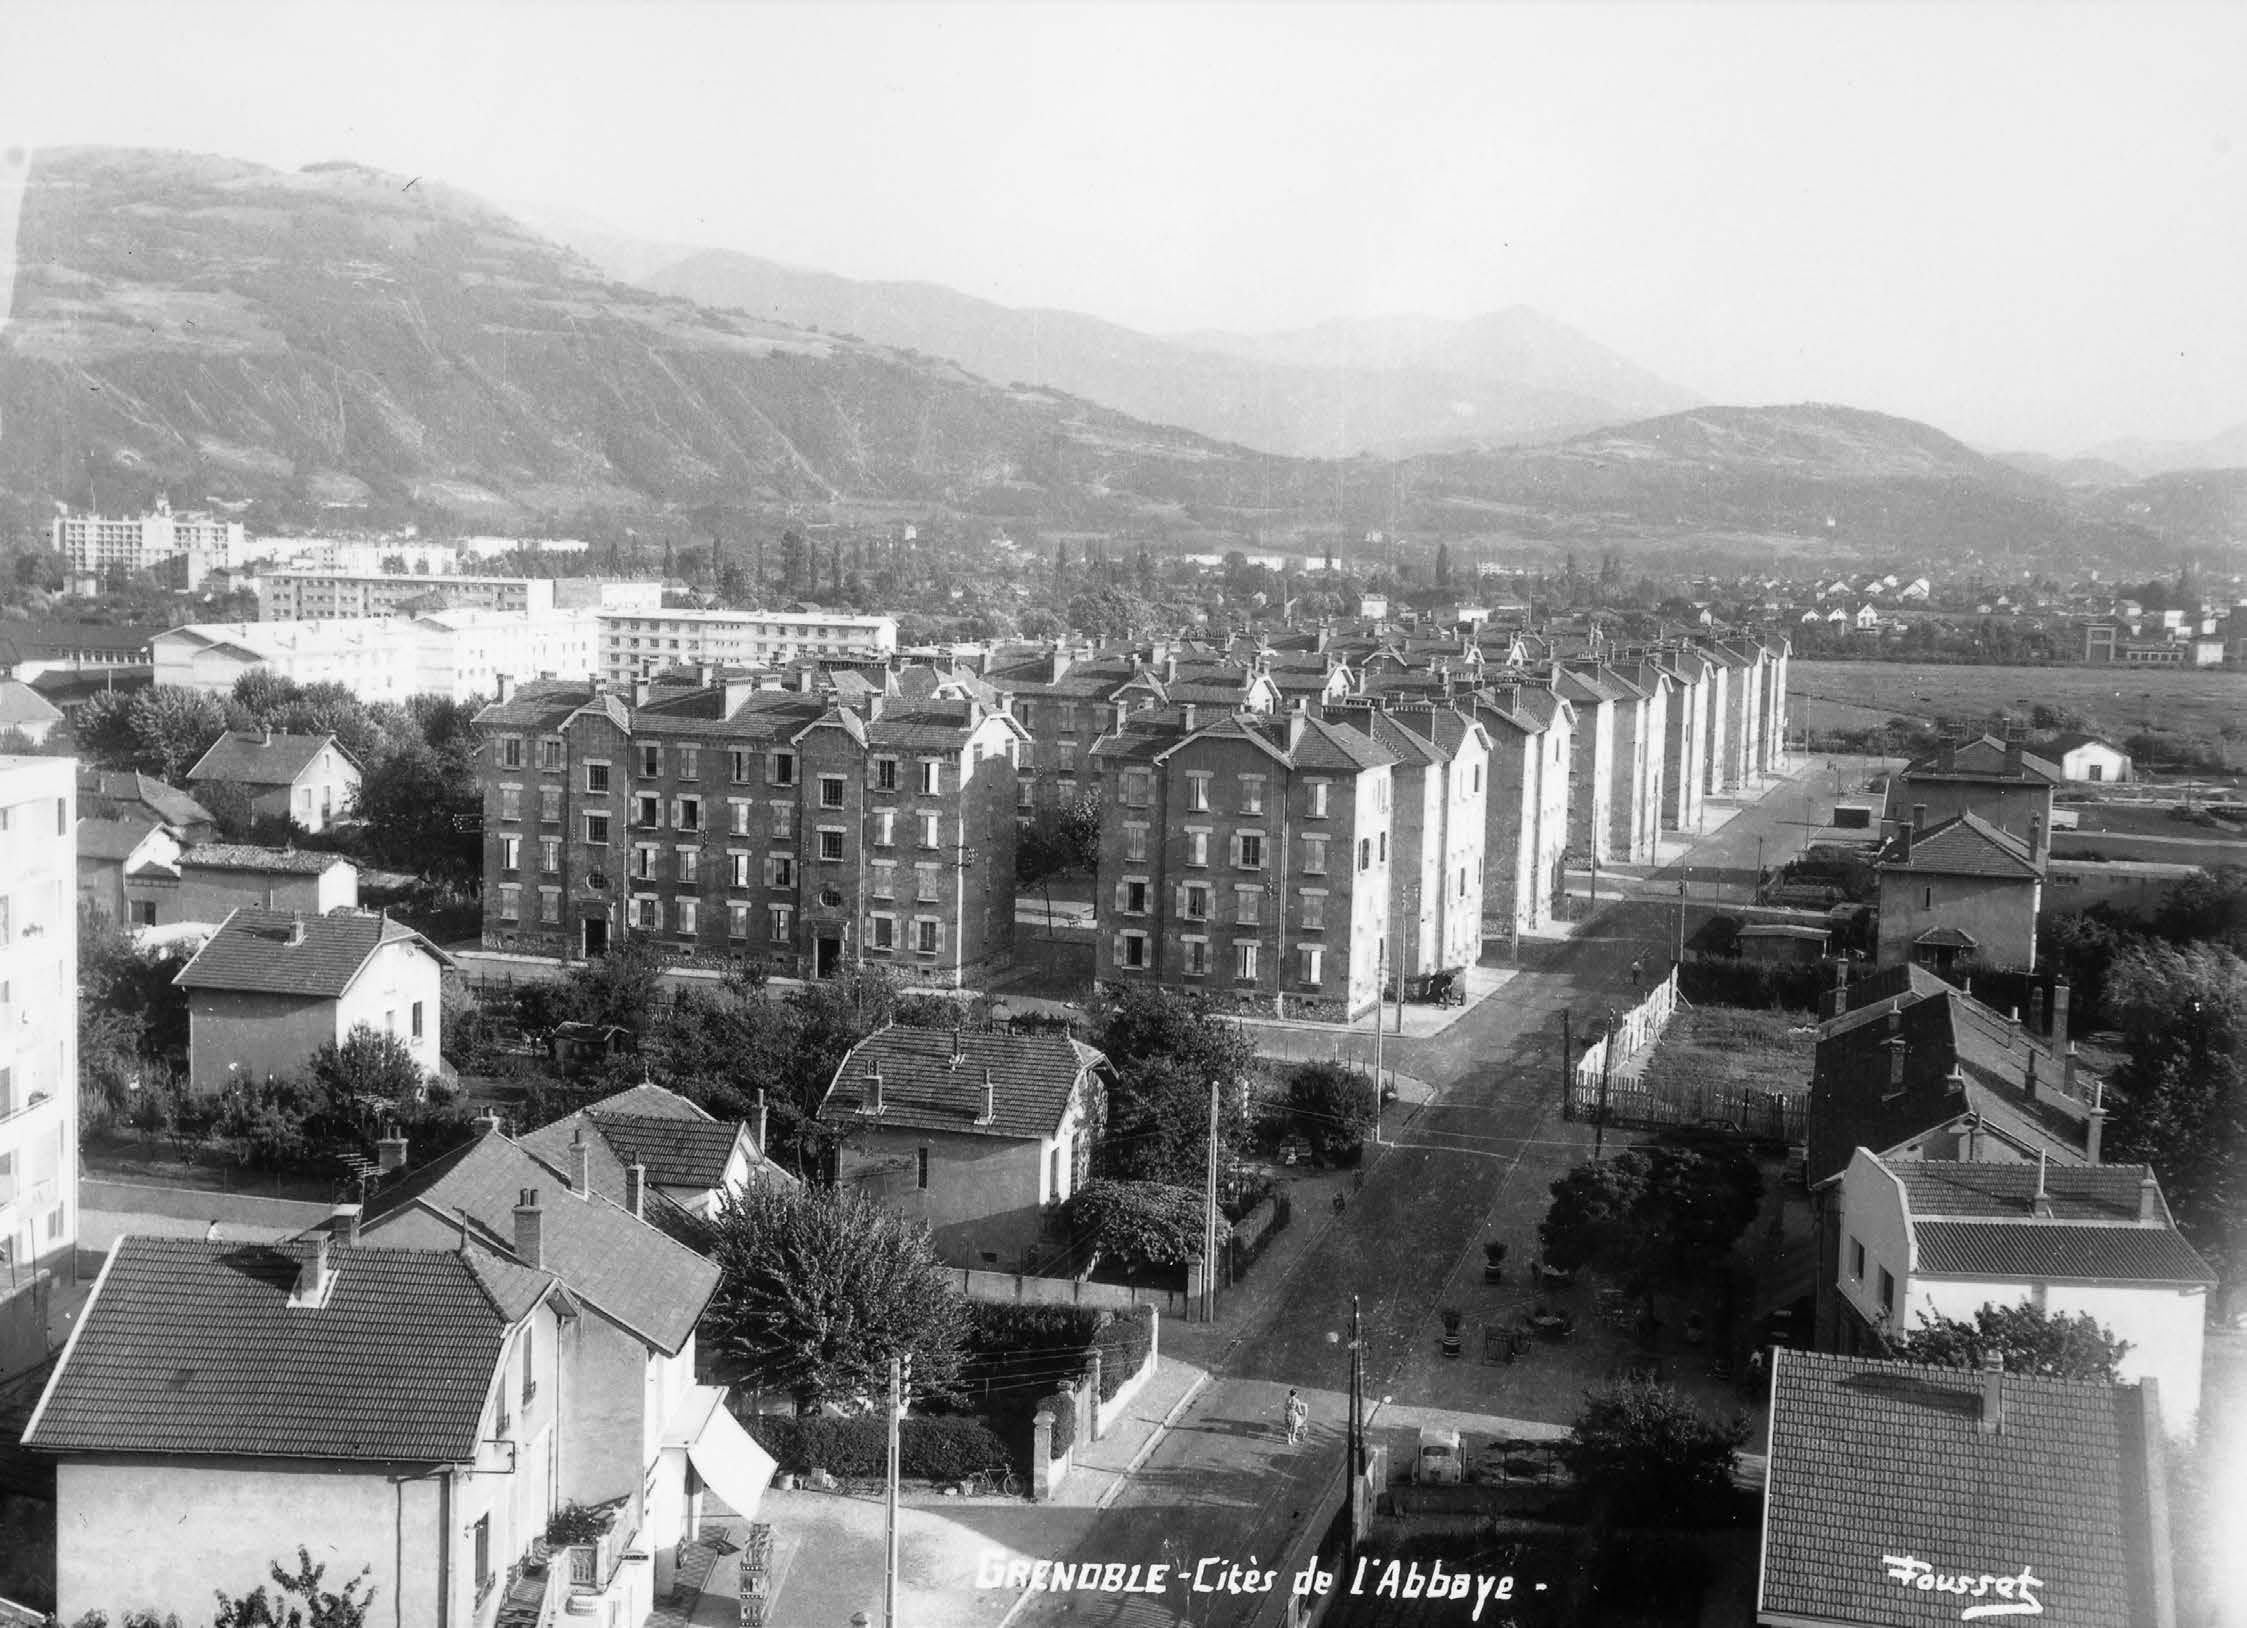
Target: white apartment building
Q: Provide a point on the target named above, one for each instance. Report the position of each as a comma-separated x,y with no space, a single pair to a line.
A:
382,658
304,596
38,1045
93,545
635,643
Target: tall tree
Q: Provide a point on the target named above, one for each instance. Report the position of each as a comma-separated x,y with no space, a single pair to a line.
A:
2028,1338
1646,1453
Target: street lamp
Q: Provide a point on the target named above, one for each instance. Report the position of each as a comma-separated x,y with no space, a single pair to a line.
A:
1354,1438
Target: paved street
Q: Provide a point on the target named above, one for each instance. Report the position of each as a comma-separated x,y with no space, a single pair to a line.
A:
1474,1162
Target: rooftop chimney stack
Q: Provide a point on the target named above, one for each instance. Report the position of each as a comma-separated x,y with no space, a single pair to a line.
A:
504,683
1896,1050
1919,817
581,1163
530,1230
636,1189
2028,1080
343,1222
2060,1016
1188,711
487,1124
990,1101
2094,1128
1993,1392
2149,1200
2041,1205
761,1153
873,1102
311,1253
2036,835
390,1151
2036,1011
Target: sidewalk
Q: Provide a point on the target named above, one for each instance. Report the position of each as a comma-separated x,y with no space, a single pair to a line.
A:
1420,1018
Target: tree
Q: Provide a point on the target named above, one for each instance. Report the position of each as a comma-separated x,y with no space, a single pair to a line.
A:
1168,1050
1647,1454
1651,1214
368,1063
302,1602
2030,1339
819,1288
2180,1101
422,812
1139,1223
2208,904
1334,1107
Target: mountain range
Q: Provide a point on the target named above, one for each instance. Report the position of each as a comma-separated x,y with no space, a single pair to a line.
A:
338,339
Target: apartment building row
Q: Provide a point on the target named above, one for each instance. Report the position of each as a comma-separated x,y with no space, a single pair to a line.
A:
290,596
640,642
454,653
94,545
712,817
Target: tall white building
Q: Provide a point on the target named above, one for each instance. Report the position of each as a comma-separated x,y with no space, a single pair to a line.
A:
38,1045
92,545
383,658
635,643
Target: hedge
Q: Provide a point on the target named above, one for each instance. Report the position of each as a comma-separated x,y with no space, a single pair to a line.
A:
927,1449
1123,1344
1063,1406
1716,981
1011,1329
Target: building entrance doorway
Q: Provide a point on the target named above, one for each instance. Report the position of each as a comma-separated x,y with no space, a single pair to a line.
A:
827,957
596,936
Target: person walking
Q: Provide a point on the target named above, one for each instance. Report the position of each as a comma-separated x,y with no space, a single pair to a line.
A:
1298,1415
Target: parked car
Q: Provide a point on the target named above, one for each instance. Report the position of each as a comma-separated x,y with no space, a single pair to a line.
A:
1438,1462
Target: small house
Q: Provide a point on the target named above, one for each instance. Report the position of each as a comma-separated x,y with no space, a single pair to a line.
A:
309,779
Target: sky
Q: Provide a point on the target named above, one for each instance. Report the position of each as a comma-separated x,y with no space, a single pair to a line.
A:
2024,224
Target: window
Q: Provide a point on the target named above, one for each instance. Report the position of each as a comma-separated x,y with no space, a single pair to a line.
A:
1131,898
510,904
1196,899
737,870
510,854
510,802
1068,717
1197,790
511,751
1365,853
647,811
1381,851
1026,791
1131,950
737,921
1135,841
643,862
738,820
1313,963
1197,847
1244,962
415,1029
687,911
932,777
784,822
830,791
739,762
690,865
651,763
1462,881
1318,799
597,830
550,755
1248,850
1927,898
1138,788
830,844
928,934
1065,786
1314,910
530,1365
597,778
931,830
1478,778
885,881
1314,855
1248,906
482,1531
1887,1293
550,904
1857,1259
686,813
780,923
550,804
647,912
885,828
1252,794
550,855
690,763
920,1168
885,774
882,931
780,871
1197,956
780,769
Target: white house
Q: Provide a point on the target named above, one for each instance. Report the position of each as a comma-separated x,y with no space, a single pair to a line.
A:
1944,1238
1868,620
684,1155
2090,760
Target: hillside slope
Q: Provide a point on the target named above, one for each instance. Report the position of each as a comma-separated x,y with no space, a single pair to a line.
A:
340,336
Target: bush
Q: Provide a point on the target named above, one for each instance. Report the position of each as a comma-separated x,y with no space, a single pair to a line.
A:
580,1523
1063,1406
1124,1342
1715,981
927,1449
1005,1329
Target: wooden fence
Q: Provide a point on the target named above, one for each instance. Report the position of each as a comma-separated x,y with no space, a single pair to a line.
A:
1640,1027
1764,1116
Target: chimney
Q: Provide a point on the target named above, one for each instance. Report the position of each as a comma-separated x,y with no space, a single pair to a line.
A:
2028,1080
487,1125
2067,1069
2036,836
530,1230
1947,759
1903,845
343,1223
2094,1128
2036,1011
636,1189
296,927
761,1151
1955,1081
1170,669
959,1049
990,1101
1896,1050
1919,817
706,674
873,1102
1189,713
1993,1392
806,676
265,735
390,1151
2041,1205
2149,1200
581,1163
2013,757
2060,1016
311,1253
504,683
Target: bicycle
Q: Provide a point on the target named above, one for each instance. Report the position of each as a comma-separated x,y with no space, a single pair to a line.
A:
997,1482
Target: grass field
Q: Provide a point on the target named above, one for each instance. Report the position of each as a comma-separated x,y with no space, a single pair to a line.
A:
2113,702
1732,1047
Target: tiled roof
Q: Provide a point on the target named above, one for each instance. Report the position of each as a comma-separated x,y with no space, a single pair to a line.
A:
252,951
258,760
678,1143
1876,1463
244,856
114,840
1947,938
1986,758
624,1268
190,1345
1407,746
21,704
1325,745
1944,1188
169,803
1965,846
2033,1249
1033,1078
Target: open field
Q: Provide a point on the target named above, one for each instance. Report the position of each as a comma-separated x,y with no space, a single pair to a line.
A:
2115,702
1733,1048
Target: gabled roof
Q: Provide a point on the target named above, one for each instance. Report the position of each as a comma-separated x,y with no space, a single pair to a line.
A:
678,1143
1985,758
541,704
1941,1189
246,856
608,1258
115,840
1966,845
21,704
263,760
260,951
1033,1079
2034,1249
1879,1468
190,1345
169,803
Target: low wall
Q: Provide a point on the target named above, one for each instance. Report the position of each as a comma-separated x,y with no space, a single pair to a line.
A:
1105,1414
1019,1288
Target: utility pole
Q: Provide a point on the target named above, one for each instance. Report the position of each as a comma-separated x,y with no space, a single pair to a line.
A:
1606,1068
1681,921
1567,1060
1356,1436
1209,1219
1380,975
889,1496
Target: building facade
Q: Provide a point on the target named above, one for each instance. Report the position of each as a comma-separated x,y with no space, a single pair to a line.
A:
636,643
323,596
93,545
